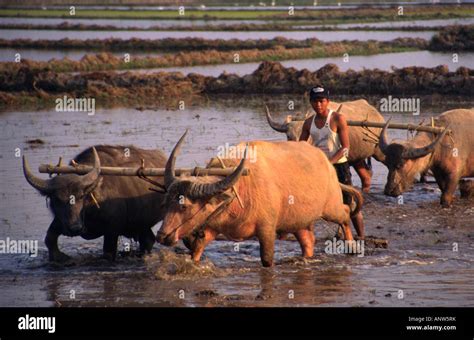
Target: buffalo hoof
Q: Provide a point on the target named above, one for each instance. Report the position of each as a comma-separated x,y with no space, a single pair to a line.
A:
59,257
446,203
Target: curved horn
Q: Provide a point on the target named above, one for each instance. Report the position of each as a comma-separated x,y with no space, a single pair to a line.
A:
169,170
92,177
199,190
275,125
423,151
383,142
42,185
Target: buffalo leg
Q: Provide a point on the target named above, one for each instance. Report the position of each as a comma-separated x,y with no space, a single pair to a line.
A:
447,195
358,223
466,188
267,246
306,239
200,244
346,225
364,174
110,246
347,232
51,241
147,240
447,184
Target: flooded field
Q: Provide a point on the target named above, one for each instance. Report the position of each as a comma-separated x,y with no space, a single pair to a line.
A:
11,34
419,261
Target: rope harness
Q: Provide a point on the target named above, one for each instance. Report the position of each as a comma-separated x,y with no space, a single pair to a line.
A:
198,231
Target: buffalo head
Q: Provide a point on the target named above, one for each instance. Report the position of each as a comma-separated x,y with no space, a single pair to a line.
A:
292,126
191,200
67,193
403,160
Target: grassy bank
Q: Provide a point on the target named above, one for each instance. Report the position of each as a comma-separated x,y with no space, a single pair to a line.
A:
326,16
460,38
195,44
107,61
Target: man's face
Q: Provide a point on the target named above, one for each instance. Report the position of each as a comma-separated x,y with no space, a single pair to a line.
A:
320,105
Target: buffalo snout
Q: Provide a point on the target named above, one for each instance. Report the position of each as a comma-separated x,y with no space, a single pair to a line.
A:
165,239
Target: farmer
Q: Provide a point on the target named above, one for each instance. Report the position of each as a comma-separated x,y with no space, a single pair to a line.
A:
330,133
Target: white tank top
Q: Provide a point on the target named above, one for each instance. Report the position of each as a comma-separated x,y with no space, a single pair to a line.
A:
326,139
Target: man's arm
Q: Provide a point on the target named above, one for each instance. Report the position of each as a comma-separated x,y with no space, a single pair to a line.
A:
305,132
343,132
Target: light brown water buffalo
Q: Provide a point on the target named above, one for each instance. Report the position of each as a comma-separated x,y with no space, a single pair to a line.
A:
449,157
290,186
362,143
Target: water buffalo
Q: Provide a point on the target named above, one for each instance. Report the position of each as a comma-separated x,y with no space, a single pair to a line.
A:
290,186
123,205
363,144
449,157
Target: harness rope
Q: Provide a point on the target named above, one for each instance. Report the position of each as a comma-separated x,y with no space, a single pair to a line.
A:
198,231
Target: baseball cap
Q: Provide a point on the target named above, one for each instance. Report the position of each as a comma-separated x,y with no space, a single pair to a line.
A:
318,92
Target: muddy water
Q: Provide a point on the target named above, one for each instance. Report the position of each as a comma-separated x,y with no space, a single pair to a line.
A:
11,34
419,260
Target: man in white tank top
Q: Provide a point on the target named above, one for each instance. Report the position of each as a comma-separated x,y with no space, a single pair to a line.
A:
329,132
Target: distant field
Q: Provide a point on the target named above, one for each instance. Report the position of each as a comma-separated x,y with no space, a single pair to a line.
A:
333,16
267,3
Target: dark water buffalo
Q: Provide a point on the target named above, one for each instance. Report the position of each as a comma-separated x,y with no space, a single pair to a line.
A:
124,204
290,186
449,158
363,144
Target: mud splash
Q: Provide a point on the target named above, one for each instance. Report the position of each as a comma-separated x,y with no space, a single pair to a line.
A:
170,265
